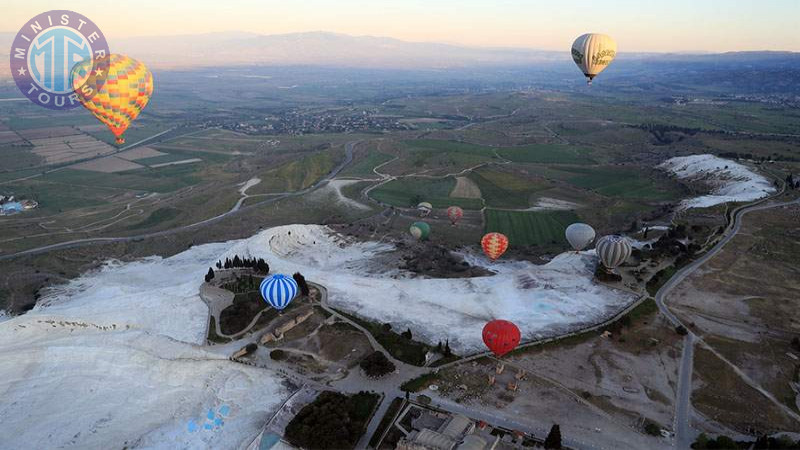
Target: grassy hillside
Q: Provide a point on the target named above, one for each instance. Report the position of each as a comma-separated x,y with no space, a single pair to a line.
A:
298,174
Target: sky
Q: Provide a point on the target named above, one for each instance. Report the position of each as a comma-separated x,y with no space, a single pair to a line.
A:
637,25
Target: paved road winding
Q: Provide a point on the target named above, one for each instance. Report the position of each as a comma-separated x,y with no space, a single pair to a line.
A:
684,435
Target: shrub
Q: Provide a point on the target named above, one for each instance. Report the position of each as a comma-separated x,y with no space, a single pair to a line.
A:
376,364
277,355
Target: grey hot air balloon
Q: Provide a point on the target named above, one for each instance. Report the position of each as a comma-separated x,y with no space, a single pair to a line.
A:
579,235
613,250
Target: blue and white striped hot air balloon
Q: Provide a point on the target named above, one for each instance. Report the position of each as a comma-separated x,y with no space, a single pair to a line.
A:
278,290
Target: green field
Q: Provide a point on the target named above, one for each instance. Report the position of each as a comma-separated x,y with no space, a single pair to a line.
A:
363,167
621,183
530,227
504,189
169,157
298,174
408,192
162,179
432,153
547,154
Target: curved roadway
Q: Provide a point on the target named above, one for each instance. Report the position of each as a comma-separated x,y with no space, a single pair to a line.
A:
683,433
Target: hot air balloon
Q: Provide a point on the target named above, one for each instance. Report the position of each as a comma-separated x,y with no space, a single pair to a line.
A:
420,230
501,336
454,213
613,250
424,209
278,290
579,235
494,245
124,93
593,52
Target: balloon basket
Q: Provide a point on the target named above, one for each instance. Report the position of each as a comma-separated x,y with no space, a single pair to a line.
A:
120,140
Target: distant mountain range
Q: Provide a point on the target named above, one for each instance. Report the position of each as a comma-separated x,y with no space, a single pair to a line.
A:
341,50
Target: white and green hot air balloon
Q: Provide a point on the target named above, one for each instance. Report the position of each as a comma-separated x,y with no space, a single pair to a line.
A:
593,52
613,250
579,235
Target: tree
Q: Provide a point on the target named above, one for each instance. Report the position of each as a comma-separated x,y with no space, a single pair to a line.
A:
447,351
277,355
301,283
652,428
262,266
237,262
680,329
553,439
406,334
219,264
209,275
228,263
439,347
376,364
333,420
796,343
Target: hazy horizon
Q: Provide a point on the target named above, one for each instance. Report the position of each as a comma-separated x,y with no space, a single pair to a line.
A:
675,27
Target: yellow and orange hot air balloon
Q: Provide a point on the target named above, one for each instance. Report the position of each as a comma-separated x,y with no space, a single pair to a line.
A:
494,245
117,97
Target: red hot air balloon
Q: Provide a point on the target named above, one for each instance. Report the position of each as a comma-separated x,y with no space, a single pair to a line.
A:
501,336
494,245
455,214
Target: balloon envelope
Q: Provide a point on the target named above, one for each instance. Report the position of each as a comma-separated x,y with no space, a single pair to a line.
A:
579,235
613,250
593,52
420,230
278,290
424,208
454,213
494,245
118,101
501,336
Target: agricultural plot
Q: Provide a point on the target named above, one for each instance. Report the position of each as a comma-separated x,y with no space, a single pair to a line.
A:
446,155
530,227
162,180
16,158
408,192
547,154
505,190
9,137
109,164
69,148
465,188
139,153
622,183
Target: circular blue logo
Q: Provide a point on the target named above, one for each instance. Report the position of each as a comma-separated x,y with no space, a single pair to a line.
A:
48,48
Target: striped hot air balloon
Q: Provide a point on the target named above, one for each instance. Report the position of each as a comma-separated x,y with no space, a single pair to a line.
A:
501,336
613,250
579,235
424,209
494,245
454,213
420,230
278,290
